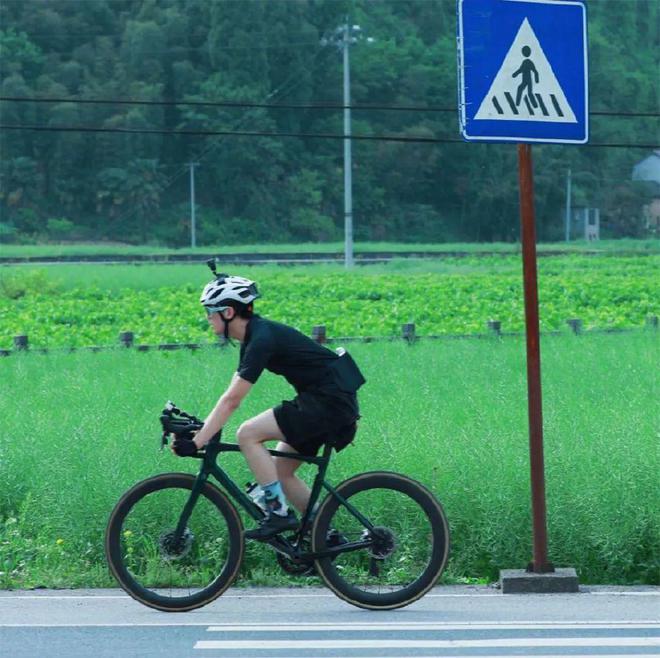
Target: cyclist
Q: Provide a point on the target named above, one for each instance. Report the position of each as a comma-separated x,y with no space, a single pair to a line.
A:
324,409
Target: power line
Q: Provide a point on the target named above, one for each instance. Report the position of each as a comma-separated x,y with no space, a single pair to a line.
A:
64,34
277,106
214,133
205,49
234,104
243,133
626,114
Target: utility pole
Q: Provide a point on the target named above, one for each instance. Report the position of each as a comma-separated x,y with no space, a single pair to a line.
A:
193,228
342,37
568,206
348,178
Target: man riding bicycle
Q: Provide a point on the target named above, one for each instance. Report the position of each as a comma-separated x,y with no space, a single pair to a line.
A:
325,408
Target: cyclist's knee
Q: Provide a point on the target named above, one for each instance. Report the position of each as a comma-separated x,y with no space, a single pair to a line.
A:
249,434
245,435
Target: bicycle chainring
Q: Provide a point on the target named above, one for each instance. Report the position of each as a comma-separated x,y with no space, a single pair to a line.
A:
296,567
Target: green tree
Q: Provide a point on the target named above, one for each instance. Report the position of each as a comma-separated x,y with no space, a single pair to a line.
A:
18,55
129,193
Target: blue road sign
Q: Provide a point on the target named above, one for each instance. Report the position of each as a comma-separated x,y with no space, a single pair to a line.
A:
523,73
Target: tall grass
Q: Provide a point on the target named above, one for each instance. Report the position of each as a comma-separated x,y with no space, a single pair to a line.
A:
76,430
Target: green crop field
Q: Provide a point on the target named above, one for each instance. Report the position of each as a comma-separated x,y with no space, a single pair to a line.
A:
77,305
78,429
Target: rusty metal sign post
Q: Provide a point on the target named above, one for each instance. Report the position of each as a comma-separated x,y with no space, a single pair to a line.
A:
540,562
523,78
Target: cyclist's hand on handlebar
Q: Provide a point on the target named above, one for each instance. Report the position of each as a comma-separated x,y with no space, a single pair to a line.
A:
184,447
184,435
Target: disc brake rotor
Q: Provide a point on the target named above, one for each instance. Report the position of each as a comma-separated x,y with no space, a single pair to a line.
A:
384,542
171,549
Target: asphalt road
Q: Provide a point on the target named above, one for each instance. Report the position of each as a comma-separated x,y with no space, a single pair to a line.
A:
313,623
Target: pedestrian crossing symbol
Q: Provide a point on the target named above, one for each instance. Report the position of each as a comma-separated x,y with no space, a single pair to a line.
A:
523,70
525,88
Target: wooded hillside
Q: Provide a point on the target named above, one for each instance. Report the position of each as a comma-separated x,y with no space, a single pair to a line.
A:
135,188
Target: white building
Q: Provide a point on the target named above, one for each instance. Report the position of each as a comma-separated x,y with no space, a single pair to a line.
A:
648,170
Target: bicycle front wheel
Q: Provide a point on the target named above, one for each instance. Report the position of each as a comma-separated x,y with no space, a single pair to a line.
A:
408,539
157,567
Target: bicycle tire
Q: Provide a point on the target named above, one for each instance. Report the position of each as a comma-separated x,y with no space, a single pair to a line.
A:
422,502
143,592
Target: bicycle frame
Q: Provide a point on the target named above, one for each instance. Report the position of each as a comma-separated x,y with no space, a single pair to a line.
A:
281,544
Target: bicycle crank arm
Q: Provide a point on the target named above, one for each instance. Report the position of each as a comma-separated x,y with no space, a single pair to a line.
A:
333,552
282,546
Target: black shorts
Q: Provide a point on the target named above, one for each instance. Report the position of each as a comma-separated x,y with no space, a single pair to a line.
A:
312,419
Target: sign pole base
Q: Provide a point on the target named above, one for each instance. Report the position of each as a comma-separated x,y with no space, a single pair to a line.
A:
519,581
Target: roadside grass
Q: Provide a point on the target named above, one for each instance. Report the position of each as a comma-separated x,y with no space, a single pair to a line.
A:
104,249
79,429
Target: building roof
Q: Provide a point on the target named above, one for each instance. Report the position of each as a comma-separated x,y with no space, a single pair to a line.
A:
648,169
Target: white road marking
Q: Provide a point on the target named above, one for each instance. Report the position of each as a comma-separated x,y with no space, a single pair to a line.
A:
619,593
433,626
532,642
352,626
110,625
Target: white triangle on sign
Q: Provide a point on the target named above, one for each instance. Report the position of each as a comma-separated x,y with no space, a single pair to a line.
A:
525,88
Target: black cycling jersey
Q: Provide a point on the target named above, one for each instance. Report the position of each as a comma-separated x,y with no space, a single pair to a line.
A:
285,351
326,406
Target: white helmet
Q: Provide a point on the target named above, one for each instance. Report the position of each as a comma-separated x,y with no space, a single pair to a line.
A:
219,293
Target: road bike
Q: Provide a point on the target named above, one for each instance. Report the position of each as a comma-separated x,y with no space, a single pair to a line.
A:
174,542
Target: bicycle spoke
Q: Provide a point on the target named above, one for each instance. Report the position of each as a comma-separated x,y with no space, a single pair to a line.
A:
398,550
157,560
401,550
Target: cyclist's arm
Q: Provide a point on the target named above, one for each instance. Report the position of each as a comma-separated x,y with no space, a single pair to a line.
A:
229,401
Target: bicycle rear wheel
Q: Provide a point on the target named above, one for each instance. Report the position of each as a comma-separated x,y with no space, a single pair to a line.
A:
410,538
156,569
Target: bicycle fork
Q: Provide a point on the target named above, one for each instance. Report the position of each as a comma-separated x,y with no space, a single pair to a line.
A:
188,507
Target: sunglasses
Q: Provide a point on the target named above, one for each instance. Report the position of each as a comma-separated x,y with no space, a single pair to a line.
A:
211,311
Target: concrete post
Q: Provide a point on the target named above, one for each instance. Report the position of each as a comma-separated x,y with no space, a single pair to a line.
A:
575,324
495,327
408,331
126,338
318,334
